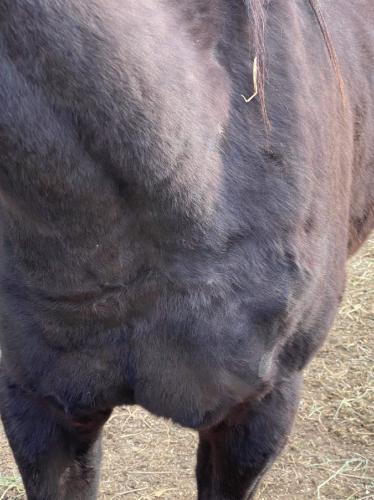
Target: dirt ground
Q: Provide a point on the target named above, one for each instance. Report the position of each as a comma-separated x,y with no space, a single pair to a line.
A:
330,455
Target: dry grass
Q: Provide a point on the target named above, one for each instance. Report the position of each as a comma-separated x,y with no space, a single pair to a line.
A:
12,484
330,455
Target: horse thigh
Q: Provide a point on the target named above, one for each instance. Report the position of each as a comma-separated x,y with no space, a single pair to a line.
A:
58,460
234,456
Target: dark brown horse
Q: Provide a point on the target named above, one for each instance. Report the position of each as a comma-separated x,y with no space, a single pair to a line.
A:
164,242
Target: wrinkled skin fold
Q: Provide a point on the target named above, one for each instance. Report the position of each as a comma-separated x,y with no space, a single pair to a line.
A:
161,244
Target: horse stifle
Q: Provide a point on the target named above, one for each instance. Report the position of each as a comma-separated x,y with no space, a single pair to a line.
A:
164,242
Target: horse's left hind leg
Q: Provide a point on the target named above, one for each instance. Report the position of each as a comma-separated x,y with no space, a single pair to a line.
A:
233,457
59,459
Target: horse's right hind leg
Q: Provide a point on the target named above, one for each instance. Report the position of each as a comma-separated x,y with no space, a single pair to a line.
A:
56,461
233,457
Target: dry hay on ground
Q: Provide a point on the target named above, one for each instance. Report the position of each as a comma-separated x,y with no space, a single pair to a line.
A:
330,455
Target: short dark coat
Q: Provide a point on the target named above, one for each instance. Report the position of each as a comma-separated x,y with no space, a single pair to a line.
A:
160,243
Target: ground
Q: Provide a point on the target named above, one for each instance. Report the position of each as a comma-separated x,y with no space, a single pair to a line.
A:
330,454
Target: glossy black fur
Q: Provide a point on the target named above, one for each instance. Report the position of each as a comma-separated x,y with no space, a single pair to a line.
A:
161,245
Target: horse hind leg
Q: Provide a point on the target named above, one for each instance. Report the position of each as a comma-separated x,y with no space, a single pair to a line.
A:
57,460
234,456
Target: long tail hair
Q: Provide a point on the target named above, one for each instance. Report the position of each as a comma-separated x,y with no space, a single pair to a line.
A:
257,16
